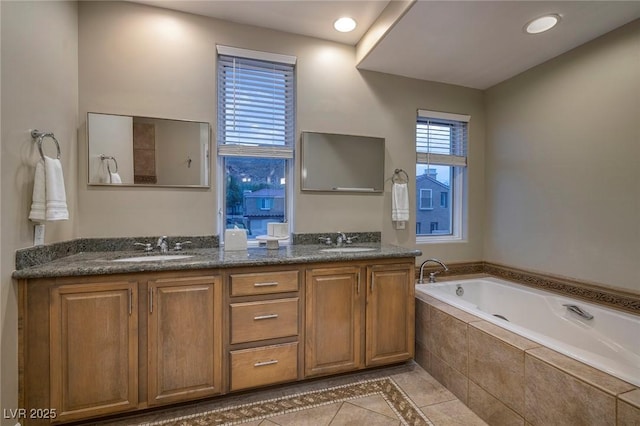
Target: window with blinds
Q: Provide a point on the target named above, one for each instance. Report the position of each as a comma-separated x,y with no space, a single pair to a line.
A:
441,138
255,107
255,138
441,160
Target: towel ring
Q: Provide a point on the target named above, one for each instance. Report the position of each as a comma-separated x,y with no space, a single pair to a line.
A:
39,136
108,157
400,176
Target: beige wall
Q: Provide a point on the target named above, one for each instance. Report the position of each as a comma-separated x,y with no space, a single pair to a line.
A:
563,164
146,61
39,90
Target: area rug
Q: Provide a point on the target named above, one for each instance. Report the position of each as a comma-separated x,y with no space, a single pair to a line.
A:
398,401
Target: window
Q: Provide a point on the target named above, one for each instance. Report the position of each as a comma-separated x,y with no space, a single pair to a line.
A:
426,200
255,138
441,161
444,199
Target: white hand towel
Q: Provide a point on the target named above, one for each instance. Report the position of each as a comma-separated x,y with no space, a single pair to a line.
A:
38,201
400,202
115,178
56,200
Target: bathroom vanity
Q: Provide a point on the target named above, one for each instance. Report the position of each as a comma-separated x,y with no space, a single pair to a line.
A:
100,337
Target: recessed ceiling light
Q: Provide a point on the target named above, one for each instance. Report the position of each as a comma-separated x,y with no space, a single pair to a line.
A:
542,24
344,25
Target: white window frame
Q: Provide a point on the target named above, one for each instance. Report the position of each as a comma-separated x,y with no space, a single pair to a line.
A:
457,201
430,198
275,152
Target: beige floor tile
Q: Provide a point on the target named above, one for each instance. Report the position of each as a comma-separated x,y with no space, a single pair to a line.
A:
452,413
375,403
422,388
352,415
317,416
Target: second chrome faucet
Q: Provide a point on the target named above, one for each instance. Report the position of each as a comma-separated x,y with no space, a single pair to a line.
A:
432,275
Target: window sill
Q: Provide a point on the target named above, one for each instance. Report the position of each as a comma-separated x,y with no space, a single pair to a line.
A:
440,239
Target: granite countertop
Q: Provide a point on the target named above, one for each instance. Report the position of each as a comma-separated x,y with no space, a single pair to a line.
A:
101,262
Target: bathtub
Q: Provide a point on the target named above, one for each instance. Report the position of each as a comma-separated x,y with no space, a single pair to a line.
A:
608,342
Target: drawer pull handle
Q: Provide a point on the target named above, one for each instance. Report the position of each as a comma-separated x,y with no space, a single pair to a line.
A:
264,317
263,363
271,284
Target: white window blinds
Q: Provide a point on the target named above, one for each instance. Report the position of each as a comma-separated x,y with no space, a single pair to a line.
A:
441,138
255,107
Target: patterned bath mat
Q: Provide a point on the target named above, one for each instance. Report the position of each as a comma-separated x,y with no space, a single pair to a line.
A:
397,400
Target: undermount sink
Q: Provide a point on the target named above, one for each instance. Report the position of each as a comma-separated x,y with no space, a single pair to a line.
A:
153,258
347,249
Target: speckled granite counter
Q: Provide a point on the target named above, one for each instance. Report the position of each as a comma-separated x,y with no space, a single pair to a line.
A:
100,263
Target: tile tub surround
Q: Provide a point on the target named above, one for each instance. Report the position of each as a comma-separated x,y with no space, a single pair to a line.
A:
603,295
508,379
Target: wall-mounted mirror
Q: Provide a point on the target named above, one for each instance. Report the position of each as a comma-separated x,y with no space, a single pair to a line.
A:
342,163
130,150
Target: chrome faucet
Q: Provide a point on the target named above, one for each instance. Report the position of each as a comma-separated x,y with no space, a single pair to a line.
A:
163,244
340,239
432,275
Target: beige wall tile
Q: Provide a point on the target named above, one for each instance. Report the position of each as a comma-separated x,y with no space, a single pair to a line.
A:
557,398
422,322
490,409
505,335
497,367
628,415
632,397
422,356
452,379
594,377
457,313
449,339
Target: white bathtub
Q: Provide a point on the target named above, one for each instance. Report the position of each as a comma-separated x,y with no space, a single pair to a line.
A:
609,342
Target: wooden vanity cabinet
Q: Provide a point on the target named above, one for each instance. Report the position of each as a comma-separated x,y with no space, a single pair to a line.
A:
184,338
264,326
353,323
390,314
90,347
333,303
93,349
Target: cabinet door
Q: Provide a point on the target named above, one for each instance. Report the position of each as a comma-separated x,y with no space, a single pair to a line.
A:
184,339
390,314
333,321
94,349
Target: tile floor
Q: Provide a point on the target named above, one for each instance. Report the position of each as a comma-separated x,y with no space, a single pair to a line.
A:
439,405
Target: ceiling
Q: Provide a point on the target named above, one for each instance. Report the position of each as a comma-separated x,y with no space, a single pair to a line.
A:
474,44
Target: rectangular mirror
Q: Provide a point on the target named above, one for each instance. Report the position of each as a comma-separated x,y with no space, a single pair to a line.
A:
131,150
333,162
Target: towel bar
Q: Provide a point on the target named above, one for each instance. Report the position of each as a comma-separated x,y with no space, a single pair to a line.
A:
39,137
400,176
108,157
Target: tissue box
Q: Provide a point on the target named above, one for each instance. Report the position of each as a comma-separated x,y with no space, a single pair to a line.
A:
276,229
235,239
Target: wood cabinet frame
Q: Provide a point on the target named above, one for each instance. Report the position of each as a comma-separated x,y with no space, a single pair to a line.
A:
41,349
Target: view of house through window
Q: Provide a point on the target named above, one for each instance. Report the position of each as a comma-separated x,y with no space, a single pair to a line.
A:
255,193
441,159
255,137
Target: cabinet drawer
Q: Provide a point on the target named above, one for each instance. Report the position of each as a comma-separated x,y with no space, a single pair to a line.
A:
268,319
263,283
264,366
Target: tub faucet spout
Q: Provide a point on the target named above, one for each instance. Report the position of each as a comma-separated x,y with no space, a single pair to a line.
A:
578,310
432,275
